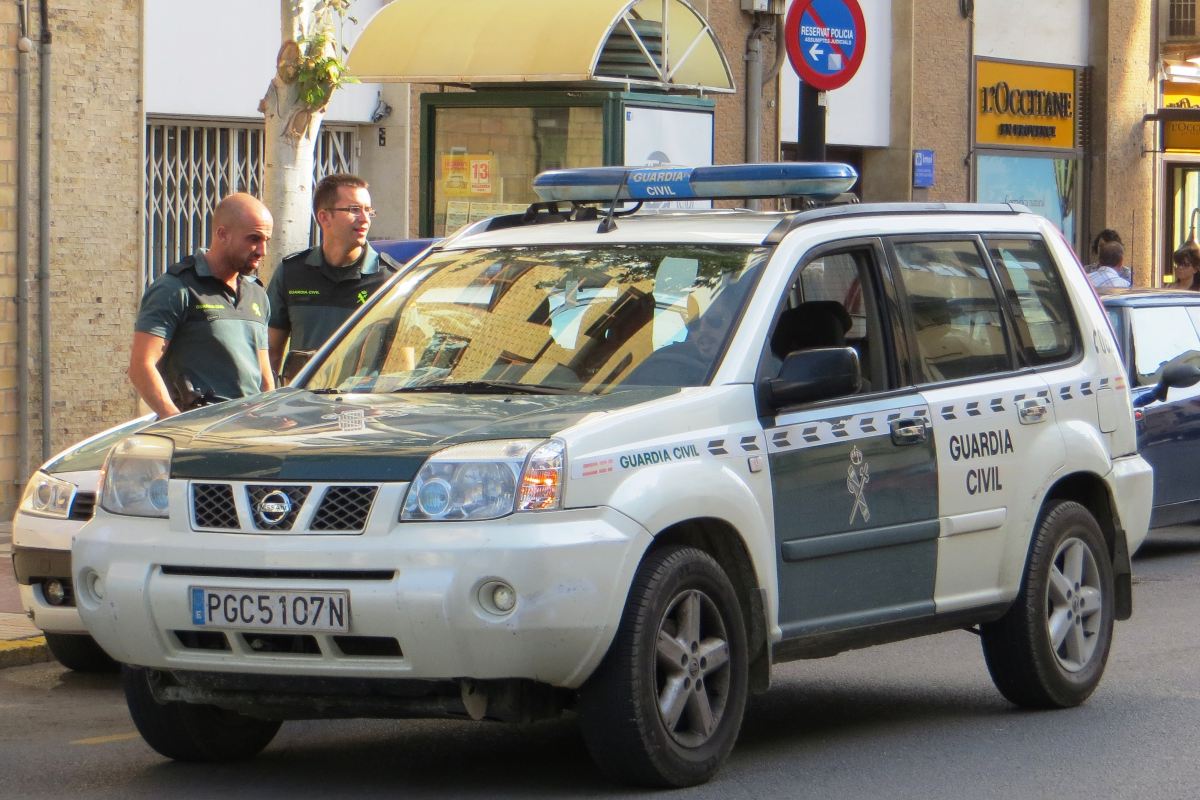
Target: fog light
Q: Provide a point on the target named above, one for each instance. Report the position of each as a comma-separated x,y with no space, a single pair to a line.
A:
55,592
497,597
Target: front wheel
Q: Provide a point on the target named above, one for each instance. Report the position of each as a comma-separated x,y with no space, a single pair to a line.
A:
665,706
1049,650
188,732
79,652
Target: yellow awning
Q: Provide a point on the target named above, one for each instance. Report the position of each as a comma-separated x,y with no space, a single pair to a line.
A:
547,42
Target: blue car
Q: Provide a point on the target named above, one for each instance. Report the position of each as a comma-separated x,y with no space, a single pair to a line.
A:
1158,332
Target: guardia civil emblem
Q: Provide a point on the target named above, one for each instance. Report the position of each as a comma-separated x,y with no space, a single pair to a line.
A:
857,476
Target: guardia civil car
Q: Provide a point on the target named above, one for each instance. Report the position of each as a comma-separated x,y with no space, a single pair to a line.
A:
595,459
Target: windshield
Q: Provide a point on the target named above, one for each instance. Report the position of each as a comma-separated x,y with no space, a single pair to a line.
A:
548,319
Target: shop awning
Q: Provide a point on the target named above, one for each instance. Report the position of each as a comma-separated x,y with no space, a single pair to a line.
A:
644,44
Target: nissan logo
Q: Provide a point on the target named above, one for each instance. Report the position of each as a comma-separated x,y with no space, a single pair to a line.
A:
274,507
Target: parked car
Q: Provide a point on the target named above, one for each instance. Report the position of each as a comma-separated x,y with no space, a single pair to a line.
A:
504,491
58,499
1157,333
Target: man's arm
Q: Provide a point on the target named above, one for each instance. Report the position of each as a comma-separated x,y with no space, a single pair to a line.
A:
268,372
147,351
276,341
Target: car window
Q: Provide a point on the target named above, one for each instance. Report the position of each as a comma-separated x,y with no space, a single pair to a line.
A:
958,325
1036,298
573,319
832,304
1160,336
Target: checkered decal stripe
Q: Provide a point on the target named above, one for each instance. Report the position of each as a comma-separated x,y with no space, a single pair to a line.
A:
839,429
739,445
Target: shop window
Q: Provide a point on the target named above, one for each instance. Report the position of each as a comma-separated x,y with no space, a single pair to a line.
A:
485,159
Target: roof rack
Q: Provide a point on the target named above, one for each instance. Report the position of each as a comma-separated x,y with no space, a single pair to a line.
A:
800,218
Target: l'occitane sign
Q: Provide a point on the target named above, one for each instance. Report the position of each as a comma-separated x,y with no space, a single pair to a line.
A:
1024,105
1180,134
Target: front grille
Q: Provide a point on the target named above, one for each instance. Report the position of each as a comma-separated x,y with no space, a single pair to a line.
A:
275,508
213,507
83,506
344,508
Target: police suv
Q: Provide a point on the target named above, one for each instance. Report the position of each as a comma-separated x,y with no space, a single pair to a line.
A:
618,463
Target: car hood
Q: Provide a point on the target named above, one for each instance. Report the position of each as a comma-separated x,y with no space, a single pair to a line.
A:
294,434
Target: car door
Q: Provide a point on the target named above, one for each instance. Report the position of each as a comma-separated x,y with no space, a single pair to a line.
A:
854,479
992,415
1168,430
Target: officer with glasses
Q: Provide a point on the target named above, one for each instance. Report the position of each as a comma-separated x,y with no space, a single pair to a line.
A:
315,290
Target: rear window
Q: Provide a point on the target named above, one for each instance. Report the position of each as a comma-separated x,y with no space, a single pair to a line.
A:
1036,298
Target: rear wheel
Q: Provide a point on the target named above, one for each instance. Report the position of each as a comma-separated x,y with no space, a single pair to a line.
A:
188,732
79,652
665,706
1050,649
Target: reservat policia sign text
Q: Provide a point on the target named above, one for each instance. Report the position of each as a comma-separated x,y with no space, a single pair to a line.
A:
1024,105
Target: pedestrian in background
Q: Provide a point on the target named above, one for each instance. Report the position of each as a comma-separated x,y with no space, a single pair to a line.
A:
315,290
201,331
1104,236
1187,266
1107,274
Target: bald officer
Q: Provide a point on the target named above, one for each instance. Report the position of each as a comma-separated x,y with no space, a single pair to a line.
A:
315,290
201,331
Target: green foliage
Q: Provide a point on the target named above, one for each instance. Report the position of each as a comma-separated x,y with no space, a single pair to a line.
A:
320,68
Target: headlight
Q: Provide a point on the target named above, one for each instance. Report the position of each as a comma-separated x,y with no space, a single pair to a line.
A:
47,496
486,480
134,478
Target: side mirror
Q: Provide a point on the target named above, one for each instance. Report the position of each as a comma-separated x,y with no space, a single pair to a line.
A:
1176,375
816,374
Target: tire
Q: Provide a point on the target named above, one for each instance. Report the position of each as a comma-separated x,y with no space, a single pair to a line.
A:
188,732
665,705
79,652
1049,650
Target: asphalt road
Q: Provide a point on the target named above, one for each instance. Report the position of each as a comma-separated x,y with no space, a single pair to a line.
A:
917,719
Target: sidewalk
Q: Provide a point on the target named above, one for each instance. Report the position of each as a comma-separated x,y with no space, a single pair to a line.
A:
20,642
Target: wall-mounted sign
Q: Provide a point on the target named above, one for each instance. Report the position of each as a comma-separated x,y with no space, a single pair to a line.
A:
1180,134
826,40
922,169
1025,105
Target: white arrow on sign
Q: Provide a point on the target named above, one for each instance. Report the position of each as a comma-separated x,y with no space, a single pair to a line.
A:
816,52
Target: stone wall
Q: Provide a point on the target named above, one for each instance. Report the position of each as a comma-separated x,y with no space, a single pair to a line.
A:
96,201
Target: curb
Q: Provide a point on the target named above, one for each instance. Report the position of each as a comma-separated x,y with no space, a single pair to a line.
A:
20,652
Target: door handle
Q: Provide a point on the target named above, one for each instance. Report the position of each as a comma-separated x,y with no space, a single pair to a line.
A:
1032,411
909,431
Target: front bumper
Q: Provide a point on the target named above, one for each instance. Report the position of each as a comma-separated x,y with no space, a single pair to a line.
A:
42,549
418,584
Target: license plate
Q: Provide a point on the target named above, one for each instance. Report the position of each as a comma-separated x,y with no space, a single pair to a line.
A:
282,611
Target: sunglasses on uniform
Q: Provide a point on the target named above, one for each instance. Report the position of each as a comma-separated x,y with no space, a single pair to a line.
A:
356,211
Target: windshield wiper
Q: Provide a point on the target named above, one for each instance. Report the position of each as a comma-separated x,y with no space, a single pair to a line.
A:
328,390
484,387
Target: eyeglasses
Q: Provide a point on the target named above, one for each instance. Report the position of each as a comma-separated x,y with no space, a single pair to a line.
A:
356,211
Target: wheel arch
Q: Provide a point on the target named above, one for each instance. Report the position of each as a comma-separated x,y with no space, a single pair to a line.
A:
723,542
1091,491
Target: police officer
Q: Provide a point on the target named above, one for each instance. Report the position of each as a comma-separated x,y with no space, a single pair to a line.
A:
201,332
315,290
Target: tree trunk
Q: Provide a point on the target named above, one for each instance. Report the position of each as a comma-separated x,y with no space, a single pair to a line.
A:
290,141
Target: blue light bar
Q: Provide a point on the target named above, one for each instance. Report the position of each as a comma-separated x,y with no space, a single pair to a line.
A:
786,179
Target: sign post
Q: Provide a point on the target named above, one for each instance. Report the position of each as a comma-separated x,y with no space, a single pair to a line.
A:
825,40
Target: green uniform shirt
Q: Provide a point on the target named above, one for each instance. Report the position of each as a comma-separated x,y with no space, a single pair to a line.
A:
311,299
213,333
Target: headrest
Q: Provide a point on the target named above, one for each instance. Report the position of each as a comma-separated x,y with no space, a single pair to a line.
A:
817,323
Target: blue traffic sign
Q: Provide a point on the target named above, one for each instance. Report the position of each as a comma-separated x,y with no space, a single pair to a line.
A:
826,40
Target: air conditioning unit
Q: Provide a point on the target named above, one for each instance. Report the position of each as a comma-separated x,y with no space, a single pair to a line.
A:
763,6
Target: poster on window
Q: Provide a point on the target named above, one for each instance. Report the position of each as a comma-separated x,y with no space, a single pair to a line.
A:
657,137
1047,186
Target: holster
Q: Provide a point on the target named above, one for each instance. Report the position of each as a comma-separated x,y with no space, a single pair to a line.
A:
293,363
